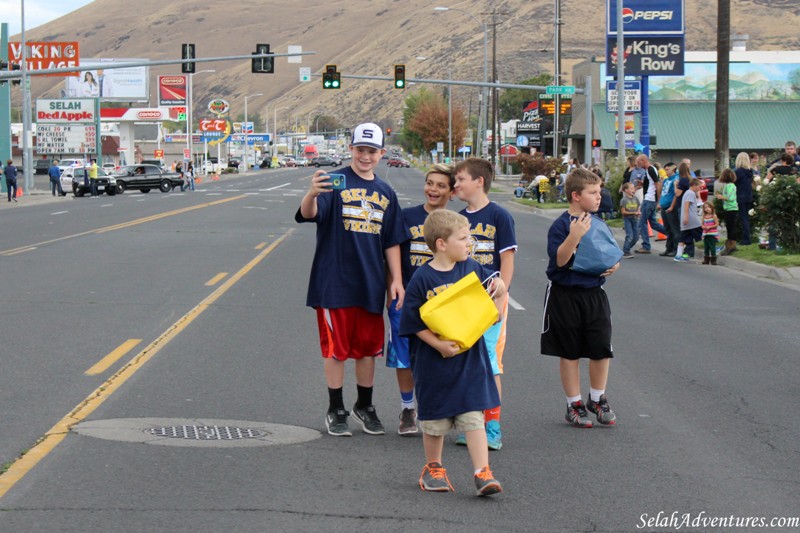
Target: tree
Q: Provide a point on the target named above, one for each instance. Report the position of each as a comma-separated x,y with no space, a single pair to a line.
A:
429,123
324,123
412,142
512,100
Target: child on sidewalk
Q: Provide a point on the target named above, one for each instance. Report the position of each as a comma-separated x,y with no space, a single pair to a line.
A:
414,253
710,225
494,246
359,231
452,388
629,208
691,231
577,315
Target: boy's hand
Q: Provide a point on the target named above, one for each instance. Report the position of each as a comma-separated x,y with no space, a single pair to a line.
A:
448,348
610,271
580,225
397,291
319,183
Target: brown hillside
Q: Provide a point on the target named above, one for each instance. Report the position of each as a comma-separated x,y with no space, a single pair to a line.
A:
367,37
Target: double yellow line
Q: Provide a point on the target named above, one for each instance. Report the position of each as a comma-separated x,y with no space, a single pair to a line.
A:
59,431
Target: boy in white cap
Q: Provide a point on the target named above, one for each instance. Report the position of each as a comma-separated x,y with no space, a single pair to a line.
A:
359,230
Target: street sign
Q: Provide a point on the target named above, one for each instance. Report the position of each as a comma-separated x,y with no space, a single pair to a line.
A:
633,96
560,89
305,74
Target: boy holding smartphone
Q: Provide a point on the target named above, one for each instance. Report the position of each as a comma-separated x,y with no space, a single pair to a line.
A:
359,231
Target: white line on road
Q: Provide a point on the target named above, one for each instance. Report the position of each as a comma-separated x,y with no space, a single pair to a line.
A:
59,212
213,194
515,304
279,186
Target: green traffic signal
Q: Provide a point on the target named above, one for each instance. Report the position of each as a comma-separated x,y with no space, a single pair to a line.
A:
330,78
399,76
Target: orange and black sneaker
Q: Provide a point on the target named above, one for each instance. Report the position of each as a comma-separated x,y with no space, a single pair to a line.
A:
434,478
486,484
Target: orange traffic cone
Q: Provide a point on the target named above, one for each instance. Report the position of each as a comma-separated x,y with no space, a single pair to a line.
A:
19,192
215,177
197,179
661,236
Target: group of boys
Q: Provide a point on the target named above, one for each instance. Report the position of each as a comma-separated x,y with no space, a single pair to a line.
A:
361,228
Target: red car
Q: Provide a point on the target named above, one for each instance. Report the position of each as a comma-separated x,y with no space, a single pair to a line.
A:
398,162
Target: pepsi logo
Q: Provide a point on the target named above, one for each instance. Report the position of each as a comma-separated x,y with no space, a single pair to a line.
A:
627,15
149,114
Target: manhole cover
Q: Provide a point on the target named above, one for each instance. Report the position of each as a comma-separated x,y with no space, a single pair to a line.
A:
196,432
206,432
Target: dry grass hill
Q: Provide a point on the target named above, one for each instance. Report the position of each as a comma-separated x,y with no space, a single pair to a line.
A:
368,37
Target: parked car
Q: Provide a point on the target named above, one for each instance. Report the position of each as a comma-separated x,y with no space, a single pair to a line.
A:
67,163
301,162
42,166
109,167
398,162
325,161
145,177
288,161
76,179
233,162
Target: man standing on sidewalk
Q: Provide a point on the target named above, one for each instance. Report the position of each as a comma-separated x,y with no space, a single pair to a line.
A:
651,191
55,178
92,170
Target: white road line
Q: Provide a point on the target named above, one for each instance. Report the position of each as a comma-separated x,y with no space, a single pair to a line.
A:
213,194
59,212
278,186
107,205
515,304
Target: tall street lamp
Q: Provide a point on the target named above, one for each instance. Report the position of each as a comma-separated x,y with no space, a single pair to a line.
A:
189,133
483,107
275,127
246,162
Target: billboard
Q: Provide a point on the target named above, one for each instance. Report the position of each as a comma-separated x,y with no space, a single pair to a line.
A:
127,84
647,56
646,17
44,55
172,90
65,111
75,139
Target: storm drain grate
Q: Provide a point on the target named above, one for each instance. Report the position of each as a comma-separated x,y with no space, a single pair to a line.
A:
206,432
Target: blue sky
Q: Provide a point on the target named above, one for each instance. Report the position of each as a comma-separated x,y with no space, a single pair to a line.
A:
37,12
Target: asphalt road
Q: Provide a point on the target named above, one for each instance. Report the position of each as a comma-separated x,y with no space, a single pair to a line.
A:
703,382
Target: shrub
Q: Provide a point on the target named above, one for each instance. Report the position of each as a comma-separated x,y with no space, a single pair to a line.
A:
779,210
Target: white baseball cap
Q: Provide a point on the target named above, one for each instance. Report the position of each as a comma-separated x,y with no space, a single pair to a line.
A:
368,134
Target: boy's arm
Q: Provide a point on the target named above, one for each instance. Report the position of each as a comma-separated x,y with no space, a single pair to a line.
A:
577,229
685,212
507,266
319,185
444,347
396,285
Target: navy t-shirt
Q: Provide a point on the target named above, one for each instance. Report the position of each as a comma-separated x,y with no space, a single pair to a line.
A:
415,252
558,233
492,230
354,228
452,386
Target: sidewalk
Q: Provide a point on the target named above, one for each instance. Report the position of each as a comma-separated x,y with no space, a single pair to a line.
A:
788,276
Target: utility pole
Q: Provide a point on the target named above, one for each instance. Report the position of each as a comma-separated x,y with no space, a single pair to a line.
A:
721,148
495,131
557,79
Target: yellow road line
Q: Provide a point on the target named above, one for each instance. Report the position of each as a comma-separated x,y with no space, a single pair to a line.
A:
113,356
122,225
56,434
216,279
260,245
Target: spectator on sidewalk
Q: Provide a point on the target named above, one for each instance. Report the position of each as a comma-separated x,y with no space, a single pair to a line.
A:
629,208
606,210
669,214
55,178
651,190
744,194
10,173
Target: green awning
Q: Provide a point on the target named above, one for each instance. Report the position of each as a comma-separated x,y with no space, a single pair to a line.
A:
689,125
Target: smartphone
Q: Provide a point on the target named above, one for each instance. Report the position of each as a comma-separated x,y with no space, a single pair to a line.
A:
338,181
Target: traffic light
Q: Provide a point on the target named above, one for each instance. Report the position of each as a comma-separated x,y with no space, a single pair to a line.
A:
330,78
399,76
187,52
3,66
262,65
15,66
596,143
388,131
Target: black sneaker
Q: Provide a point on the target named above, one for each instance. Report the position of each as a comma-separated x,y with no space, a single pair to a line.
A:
408,422
434,478
368,419
336,422
577,415
603,411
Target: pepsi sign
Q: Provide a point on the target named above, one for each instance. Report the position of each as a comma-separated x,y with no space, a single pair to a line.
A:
646,17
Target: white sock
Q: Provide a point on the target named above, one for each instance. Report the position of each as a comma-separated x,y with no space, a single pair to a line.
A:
595,394
681,248
407,405
573,399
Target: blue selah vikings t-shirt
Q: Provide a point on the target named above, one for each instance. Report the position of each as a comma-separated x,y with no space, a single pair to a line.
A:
452,386
492,230
415,252
354,228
